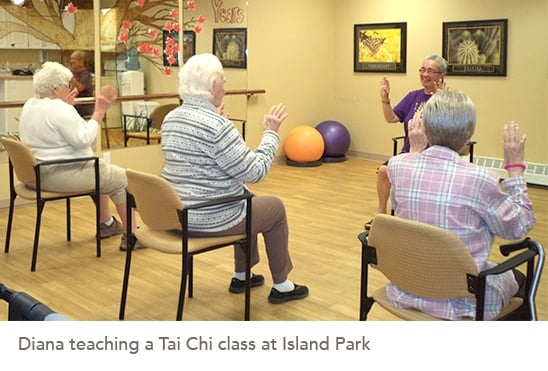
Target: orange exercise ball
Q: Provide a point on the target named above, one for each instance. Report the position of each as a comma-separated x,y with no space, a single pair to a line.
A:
304,144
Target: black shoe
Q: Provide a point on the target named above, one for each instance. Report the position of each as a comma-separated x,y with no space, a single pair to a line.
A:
277,297
367,225
238,286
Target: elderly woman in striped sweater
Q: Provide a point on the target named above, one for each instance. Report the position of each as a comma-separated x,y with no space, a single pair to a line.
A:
206,158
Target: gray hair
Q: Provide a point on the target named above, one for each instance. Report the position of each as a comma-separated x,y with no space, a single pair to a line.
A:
442,63
449,119
80,54
50,76
198,75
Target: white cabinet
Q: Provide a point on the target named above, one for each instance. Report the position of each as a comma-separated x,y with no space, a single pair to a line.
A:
13,90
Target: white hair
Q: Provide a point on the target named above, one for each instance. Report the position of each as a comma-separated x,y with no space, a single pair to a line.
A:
198,75
50,76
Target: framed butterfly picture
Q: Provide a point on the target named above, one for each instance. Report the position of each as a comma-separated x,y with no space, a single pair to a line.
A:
380,47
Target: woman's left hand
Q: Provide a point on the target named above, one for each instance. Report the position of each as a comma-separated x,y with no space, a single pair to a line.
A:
440,85
415,132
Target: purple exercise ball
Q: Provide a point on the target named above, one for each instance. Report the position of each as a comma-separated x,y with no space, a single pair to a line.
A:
336,138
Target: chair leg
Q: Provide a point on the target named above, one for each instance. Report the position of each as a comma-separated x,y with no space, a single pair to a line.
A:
68,219
39,208
125,283
365,302
10,221
182,290
247,311
191,276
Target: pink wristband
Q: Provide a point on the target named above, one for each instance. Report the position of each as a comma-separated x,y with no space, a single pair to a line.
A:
510,166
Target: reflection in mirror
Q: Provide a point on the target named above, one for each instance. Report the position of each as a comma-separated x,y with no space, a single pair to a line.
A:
135,61
141,55
30,35
225,18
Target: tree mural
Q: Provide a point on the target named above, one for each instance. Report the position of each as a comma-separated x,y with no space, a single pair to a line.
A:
134,26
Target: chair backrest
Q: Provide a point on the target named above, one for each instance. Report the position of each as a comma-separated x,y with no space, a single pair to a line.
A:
422,259
22,159
157,115
155,200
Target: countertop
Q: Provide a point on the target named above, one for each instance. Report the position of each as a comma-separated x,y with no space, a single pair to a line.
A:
9,76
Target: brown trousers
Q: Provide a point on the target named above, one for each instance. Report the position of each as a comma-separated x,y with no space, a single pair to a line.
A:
269,219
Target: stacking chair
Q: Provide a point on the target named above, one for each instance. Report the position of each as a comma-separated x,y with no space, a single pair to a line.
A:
25,170
165,229
467,150
432,262
242,123
153,124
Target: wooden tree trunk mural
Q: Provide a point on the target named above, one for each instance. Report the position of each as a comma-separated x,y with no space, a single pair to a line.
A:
138,21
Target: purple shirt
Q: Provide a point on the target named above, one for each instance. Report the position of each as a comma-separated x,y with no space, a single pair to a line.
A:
406,108
437,187
84,77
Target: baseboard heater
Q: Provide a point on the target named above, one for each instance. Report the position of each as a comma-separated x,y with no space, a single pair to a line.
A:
535,173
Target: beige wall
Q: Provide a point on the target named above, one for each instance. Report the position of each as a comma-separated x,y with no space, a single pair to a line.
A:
302,54
521,96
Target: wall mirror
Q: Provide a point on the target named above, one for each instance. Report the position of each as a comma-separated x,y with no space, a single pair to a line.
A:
132,36
143,47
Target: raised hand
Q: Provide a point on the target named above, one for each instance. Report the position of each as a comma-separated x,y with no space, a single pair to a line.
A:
417,139
385,89
514,148
106,97
274,118
440,85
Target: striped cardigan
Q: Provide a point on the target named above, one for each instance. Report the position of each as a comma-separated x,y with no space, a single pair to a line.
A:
206,158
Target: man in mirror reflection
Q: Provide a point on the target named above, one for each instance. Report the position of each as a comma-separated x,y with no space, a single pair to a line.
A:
82,81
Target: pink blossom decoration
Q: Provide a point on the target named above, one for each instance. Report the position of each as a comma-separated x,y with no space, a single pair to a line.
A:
123,37
169,26
126,25
152,33
71,8
171,60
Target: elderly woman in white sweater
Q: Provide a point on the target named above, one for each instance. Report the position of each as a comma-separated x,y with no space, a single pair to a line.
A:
206,158
52,128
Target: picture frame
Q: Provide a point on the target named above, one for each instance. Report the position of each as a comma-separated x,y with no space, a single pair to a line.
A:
230,46
187,49
380,47
476,48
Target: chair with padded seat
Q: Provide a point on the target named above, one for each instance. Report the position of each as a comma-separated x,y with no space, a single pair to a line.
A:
432,262
241,122
165,229
467,150
25,170
153,124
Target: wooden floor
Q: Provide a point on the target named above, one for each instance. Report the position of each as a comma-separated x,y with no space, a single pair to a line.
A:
326,207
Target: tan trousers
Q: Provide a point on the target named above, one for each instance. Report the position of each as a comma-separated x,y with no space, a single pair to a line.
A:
76,177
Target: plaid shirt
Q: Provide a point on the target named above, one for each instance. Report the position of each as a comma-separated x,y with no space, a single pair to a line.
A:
437,187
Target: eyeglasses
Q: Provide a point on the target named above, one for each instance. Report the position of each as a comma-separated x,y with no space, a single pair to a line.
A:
429,70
